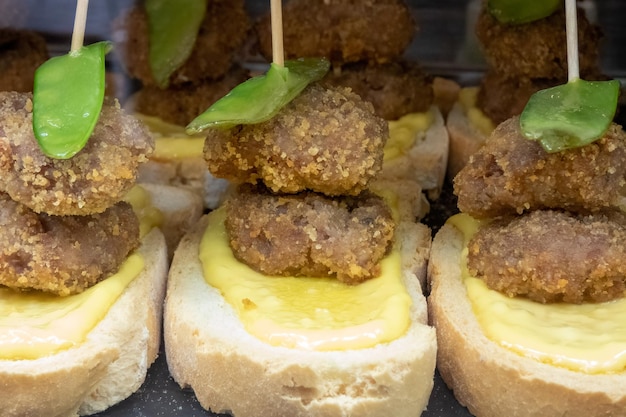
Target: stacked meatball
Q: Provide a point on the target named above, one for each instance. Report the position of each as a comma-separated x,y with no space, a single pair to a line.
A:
555,224
525,58
209,73
364,49
302,206
63,226
21,53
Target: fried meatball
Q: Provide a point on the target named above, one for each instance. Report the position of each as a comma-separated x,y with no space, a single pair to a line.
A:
501,97
341,30
89,182
182,103
511,174
395,88
308,234
553,256
325,140
63,254
537,49
222,33
21,53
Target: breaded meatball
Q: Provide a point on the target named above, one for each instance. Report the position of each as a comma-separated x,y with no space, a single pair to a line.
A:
341,30
21,53
537,49
308,234
181,104
63,254
325,140
553,256
511,174
501,97
395,88
222,33
95,178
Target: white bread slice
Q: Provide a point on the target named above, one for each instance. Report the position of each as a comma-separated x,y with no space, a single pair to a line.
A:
491,380
208,349
426,161
109,366
465,139
181,209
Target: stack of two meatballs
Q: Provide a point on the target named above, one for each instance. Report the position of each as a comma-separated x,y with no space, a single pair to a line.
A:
368,55
521,60
556,221
365,49
63,226
210,71
302,206
525,58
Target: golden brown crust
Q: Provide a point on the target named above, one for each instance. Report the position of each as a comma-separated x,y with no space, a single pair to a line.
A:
92,180
491,380
325,140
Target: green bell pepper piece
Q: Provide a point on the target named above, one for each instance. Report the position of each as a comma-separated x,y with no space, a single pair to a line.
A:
259,98
521,11
68,93
570,115
173,29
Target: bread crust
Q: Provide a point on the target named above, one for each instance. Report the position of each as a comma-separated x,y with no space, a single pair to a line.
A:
426,161
208,349
492,381
109,366
465,139
181,209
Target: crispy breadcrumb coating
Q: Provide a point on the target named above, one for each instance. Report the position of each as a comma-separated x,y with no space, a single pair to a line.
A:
308,234
325,140
63,254
342,30
553,256
394,89
511,174
537,49
95,178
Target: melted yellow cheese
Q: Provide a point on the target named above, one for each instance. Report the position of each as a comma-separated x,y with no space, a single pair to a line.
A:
589,338
171,141
404,132
307,313
149,216
478,119
34,324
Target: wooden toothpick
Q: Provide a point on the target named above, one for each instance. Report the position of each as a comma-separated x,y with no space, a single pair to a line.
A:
80,21
277,32
571,24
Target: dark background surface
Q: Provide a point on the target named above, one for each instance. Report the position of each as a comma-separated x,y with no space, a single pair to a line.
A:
444,45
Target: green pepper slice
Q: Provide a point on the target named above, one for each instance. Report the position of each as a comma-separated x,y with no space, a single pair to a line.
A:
259,98
173,28
521,11
68,93
570,115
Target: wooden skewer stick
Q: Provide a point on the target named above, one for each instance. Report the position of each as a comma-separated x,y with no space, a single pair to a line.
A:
80,21
571,24
277,32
